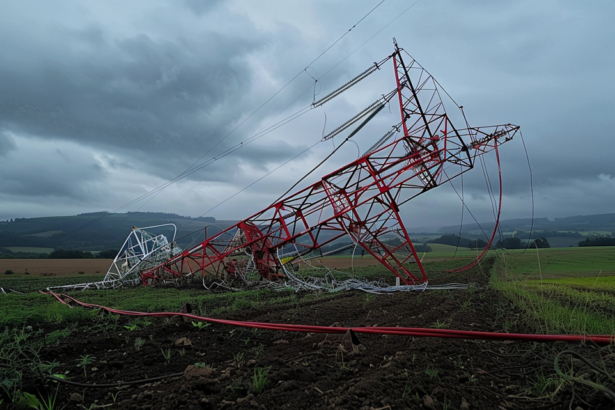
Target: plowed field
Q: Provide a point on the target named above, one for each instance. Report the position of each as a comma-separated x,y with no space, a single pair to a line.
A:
113,363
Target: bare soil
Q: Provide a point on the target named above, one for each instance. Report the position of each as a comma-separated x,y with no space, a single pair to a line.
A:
58,267
308,371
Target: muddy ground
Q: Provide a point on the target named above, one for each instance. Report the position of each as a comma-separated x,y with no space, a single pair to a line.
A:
308,371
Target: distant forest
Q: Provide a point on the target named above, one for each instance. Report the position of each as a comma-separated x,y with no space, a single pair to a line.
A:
103,231
97,231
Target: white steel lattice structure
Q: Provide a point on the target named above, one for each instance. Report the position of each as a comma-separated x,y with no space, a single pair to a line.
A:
142,249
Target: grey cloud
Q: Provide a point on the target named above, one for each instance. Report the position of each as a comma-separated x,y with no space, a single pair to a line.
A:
143,94
201,7
149,95
7,143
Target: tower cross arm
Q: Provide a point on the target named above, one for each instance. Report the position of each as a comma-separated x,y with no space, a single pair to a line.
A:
486,138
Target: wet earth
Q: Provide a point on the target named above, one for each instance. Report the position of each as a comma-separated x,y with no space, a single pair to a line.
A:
226,367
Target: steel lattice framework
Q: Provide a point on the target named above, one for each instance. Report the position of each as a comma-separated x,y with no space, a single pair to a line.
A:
361,200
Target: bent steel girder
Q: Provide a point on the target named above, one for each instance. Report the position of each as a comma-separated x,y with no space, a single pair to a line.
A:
359,201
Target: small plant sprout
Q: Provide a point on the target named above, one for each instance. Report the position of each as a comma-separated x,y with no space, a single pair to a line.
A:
259,379
167,355
442,325
131,327
50,402
145,323
114,396
236,384
139,343
258,350
466,304
201,365
431,372
182,352
238,358
256,332
85,360
200,325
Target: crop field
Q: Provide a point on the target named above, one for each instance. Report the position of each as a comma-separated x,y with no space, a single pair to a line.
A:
559,262
56,267
174,362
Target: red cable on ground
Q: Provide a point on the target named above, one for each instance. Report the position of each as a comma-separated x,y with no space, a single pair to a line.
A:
401,331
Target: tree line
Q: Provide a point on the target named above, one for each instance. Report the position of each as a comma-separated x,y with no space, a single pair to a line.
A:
507,243
600,240
58,254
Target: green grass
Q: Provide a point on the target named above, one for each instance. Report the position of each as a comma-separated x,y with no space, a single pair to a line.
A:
32,308
23,283
571,297
598,283
560,291
440,251
559,262
553,314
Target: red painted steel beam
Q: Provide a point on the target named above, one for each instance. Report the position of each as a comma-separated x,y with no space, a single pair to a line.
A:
360,201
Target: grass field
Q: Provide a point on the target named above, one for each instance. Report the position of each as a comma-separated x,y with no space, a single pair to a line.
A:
569,291
559,262
549,291
575,281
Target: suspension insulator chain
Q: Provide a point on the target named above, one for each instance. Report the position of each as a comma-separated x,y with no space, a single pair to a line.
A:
370,108
350,83
381,141
345,87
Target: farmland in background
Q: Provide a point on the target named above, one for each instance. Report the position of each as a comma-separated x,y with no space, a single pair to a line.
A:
60,267
549,291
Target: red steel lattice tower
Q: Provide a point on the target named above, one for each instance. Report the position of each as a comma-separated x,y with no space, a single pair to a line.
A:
361,200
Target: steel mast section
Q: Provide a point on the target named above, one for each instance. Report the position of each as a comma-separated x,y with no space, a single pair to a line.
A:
360,200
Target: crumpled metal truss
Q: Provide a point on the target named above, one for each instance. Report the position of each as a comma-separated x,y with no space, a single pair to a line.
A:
142,249
359,201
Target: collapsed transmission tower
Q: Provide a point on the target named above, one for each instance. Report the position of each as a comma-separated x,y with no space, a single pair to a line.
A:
361,200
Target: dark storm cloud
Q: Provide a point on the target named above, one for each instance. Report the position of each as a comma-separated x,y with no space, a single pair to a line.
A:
38,170
133,93
120,97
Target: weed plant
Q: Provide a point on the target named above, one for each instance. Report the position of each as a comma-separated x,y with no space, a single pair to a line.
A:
21,367
259,379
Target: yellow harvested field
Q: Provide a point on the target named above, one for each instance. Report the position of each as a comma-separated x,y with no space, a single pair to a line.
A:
60,267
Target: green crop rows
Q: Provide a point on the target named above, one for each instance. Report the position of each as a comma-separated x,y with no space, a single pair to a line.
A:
561,291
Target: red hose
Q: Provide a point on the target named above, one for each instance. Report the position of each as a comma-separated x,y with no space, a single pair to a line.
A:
401,331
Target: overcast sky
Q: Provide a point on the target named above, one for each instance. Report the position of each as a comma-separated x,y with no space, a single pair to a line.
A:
102,102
